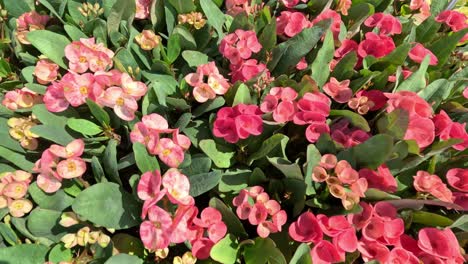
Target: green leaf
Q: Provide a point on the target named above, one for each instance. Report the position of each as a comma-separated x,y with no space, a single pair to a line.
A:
287,54
194,58
128,244
344,70
45,223
394,124
163,85
52,10
17,8
84,126
268,36
51,44
98,112
232,222
53,133
24,253
431,219
110,161
221,155
203,182
145,162
183,6
264,250
323,59
427,30
242,95
225,251
215,17
289,169
209,106
302,255
267,146
74,32
354,118
200,164
17,159
8,234
57,201
373,152
107,204
417,80
436,92
124,61
173,48
444,47
124,259
234,180
98,171
461,223
59,253
378,195
313,158
52,119
121,10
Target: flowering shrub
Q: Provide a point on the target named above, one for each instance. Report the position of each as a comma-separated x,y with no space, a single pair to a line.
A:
211,131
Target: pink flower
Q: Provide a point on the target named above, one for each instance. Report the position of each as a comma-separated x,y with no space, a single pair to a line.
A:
238,122
149,190
375,45
239,46
71,150
458,179
440,243
400,255
155,232
348,137
306,229
247,70
123,104
20,99
339,91
334,16
292,3
421,130
446,129
46,71
347,46
29,22
372,250
387,24
202,247
148,40
427,183
291,23
454,19
133,88
71,168
86,54
315,130
325,252
461,199
15,190
302,64
77,88
359,220
142,8
381,179
216,83
54,98
170,153
177,186
334,225
419,52
343,6
280,102
465,92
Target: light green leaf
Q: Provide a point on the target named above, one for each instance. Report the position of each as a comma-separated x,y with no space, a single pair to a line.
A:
51,44
417,81
225,251
17,159
124,259
222,156
145,162
232,222
194,58
289,169
57,201
374,151
24,253
84,126
264,250
267,146
215,16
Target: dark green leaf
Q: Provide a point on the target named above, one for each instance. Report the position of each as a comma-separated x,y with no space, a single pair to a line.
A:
110,161
17,159
194,58
124,259
204,182
373,152
57,201
394,124
98,112
145,162
24,253
215,16
323,59
262,251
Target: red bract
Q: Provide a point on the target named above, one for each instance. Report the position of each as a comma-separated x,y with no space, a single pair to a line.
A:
387,24
447,129
440,243
429,183
335,20
381,179
458,179
375,45
291,23
247,70
346,136
325,252
339,91
239,46
455,20
419,52
280,101
306,229
238,122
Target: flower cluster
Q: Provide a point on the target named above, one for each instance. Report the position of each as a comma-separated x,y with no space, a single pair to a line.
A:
313,110
28,22
20,129
238,48
46,71
21,99
162,228
420,126
148,40
343,183
256,206
207,82
280,102
84,236
13,190
446,129
238,122
112,89
148,132
58,163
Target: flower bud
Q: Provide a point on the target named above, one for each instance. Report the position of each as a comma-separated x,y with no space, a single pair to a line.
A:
148,40
82,236
93,237
69,240
68,219
103,240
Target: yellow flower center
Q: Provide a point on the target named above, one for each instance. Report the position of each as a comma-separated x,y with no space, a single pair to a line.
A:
71,166
83,90
82,59
18,206
166,152
18,189
120,101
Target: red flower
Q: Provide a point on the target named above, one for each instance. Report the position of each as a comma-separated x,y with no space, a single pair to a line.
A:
418,53
306,229
375,45
387,24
